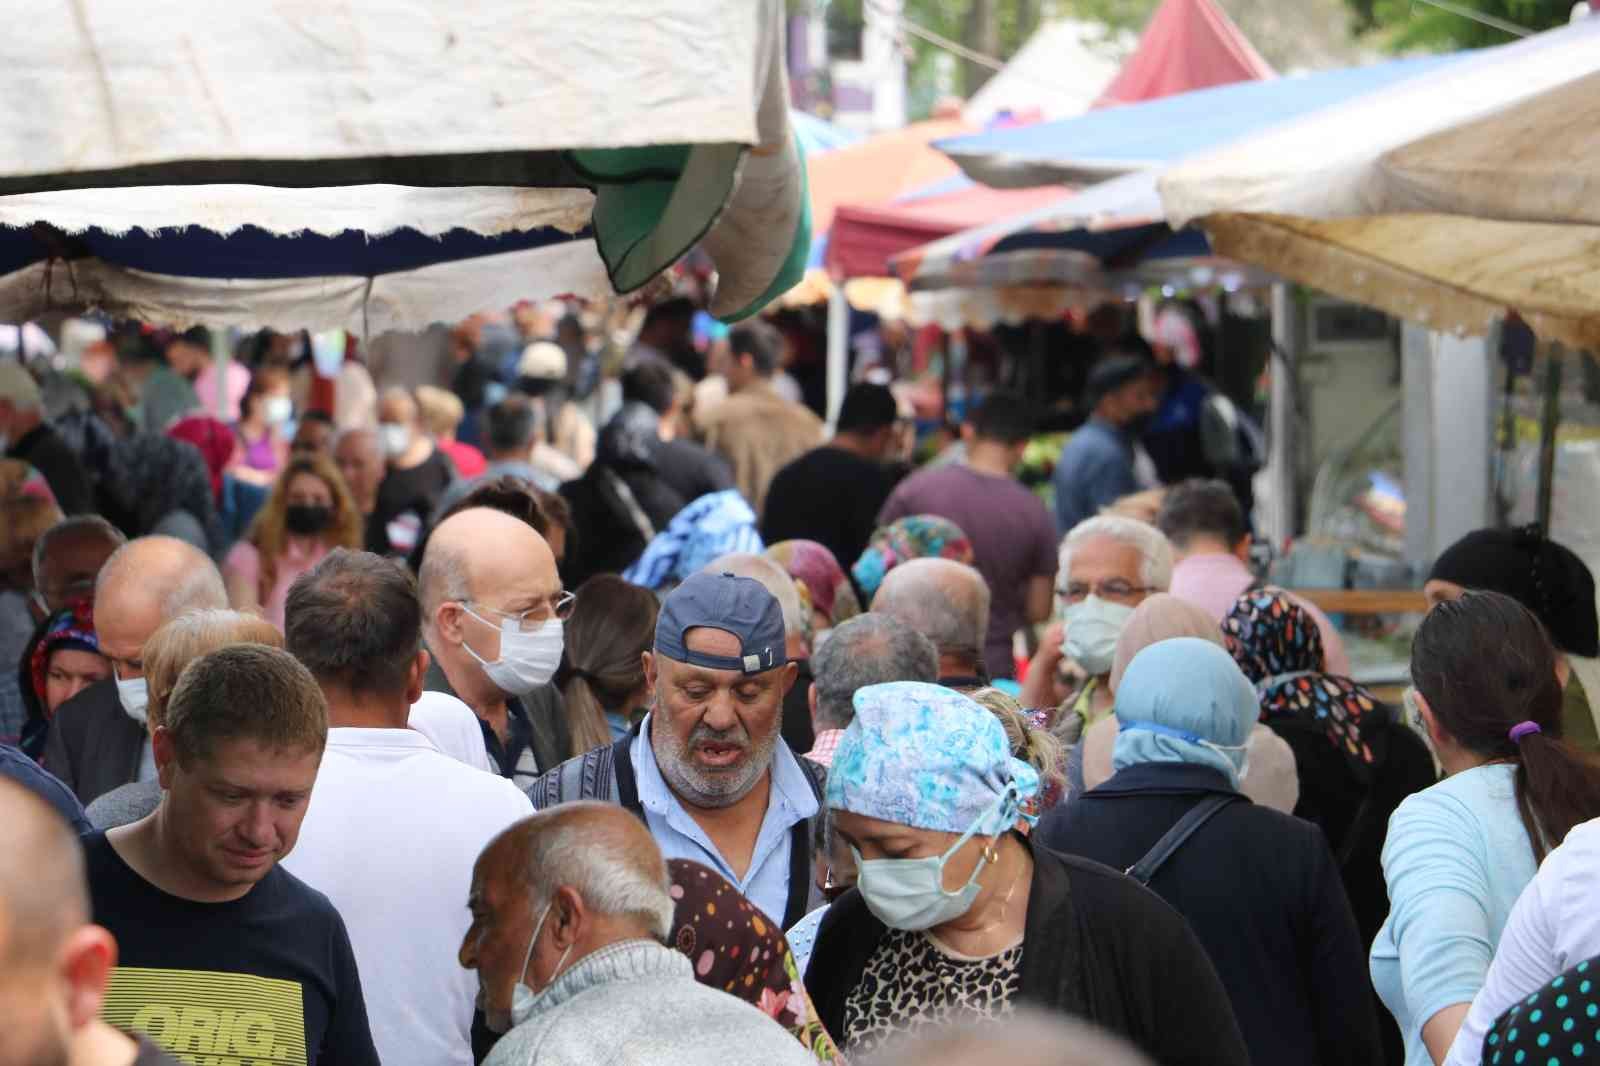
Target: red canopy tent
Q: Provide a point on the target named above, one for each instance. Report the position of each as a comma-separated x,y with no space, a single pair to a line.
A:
1188,45
864,237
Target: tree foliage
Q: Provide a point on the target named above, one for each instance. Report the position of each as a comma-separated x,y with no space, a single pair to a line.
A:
1408,24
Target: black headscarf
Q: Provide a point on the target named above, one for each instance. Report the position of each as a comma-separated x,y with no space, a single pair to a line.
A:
1538,573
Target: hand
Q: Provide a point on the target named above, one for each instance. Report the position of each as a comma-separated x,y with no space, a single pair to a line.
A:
1038,690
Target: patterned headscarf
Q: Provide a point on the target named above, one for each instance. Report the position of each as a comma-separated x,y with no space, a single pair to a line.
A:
815,567
914,537
70,627
735,949
927,757
1277,644
1553,1026
715,525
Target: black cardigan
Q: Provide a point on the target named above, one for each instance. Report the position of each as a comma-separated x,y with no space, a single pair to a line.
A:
1262,893
1095,945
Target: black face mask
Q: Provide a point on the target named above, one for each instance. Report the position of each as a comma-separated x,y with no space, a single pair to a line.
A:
307,519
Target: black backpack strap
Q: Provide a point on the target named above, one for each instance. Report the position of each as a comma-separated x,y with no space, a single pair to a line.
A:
802,842
1186,827
622,772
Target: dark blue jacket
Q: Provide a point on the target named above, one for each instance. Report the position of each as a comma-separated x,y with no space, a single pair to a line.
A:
1262,892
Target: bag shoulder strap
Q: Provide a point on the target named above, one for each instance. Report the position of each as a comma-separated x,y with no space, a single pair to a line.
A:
1186,827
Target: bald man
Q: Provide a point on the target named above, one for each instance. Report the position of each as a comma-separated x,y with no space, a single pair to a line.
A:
574,906
54,965
948,603
418,473
98,739
492,614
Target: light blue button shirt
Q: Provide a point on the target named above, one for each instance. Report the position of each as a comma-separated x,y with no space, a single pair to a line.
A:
766,882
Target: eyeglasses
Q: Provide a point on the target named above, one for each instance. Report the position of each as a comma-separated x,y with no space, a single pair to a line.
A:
1115,589
559,607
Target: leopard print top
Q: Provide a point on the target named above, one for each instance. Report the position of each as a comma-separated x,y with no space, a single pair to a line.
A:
911,983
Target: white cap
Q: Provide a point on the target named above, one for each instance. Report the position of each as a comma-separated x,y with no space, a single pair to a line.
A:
18,386
543,359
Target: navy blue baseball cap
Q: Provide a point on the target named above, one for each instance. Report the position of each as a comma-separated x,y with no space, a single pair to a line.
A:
741,606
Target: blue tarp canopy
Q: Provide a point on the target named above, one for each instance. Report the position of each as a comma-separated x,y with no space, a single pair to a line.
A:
1103,144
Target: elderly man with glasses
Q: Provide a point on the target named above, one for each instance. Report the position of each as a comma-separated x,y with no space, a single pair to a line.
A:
493,609
1108,566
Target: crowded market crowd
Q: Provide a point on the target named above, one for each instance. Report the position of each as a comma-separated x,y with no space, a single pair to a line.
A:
604,706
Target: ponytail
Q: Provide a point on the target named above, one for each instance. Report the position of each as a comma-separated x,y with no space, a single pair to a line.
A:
1488,671
1558,788
611,627
1037,747
586,717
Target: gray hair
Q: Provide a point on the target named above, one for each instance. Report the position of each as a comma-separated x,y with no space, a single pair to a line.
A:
945,601
1027,1038
444,577
608,878
198,586
1155,552
870,649
776,580
68,527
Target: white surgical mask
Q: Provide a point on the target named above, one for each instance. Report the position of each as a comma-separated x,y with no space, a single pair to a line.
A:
909,894
134,694
527,659
396,438
278,410
523,998
1093,626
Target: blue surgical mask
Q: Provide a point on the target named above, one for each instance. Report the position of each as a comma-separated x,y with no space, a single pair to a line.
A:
523,998
909,894
1093,626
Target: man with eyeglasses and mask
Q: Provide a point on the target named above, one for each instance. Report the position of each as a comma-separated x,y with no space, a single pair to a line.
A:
706,770
493,609
1108,566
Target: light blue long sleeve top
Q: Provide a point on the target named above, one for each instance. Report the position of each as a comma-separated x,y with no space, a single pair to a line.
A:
1456,859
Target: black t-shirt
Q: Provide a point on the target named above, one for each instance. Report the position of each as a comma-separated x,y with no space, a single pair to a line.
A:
416,492
691,470
830,496
268,978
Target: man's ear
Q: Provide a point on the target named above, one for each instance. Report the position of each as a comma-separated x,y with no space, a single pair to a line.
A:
1242,549
416,677
569,916
87,957
448,620
166,756
791,674
649,671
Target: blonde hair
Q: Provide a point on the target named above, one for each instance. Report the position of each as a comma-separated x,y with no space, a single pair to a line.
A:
1140,506
191,636
269,532
1037,747
441,411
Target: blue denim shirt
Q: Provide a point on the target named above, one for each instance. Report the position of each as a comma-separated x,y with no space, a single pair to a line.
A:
1095,469
766,882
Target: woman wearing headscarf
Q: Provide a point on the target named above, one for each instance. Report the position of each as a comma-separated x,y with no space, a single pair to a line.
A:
1552,582
1554,1025
956,912
833,598
1355,761
735,950
712,526
1260,888
1485,692
1269,776
63,661
920,536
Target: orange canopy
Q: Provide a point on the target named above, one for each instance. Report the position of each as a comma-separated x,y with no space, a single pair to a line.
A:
881,168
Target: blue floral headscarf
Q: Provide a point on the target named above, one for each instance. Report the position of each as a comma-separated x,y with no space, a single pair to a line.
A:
927,757
1179,702
715,525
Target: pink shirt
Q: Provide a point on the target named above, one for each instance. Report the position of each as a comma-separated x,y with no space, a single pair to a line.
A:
1215,582
244,563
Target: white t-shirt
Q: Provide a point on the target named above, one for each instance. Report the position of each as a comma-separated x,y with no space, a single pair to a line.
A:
1554,926
453,728
391,835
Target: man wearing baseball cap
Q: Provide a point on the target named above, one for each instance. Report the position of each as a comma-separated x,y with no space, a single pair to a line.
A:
706,770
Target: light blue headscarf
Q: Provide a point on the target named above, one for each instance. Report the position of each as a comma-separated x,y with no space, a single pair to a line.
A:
715,525
927,757
1176,698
